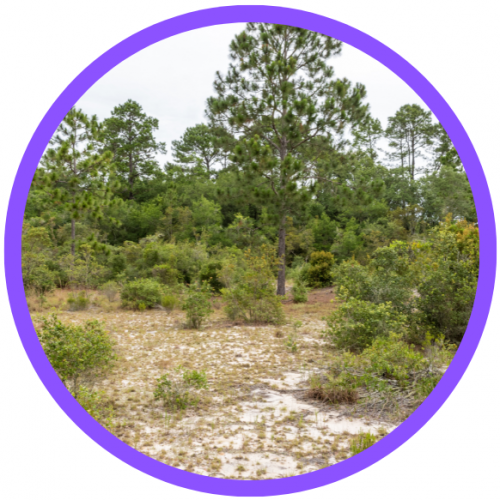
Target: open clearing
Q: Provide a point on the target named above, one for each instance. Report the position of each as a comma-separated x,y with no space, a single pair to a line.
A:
255,420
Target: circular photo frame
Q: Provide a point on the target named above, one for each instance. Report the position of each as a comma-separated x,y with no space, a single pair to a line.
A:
211,17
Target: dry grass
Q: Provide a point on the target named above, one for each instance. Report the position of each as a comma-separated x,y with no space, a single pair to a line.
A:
254,421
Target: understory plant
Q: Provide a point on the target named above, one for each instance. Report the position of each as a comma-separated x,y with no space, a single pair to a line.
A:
80,354
252,296
175,390
197,304
357,323
143,293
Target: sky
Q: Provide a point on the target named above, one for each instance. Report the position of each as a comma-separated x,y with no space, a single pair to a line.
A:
173,78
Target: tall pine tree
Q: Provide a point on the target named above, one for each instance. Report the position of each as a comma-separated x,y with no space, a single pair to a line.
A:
129,135
279,94
78,178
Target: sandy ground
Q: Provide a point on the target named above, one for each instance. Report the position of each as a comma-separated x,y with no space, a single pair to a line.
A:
254,421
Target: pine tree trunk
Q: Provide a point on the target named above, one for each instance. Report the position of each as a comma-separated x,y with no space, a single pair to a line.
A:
281,256
73,237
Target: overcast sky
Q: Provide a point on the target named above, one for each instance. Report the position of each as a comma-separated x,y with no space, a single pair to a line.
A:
173,78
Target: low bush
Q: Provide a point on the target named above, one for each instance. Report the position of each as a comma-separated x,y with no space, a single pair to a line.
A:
166,274
252,296
446,297
356,323
111,290
169,302
78,302
299,292
331,391
80,354
318,273
197,304
211,274
362,442
96,405
42,281
174,390
142,294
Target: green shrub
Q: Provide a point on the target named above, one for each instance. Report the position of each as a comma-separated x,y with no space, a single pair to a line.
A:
319,270
95,404
384,279
110,289
252,295
361,442
210,273
142,294
80,354
197,304
42,281
174,391
78,302
446,297
299,292
169,302
356,323
166,274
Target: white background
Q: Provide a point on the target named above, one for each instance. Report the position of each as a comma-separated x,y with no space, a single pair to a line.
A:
45,44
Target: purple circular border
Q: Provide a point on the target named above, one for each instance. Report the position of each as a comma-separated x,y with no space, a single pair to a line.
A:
227,15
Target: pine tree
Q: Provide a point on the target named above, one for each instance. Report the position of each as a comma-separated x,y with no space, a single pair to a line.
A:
278,95
76,177
410,133
204,147
129,135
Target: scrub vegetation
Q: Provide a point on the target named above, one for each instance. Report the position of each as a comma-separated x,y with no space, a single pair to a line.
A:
275,299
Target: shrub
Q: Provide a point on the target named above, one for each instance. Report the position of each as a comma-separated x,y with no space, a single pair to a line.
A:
197,304
319,269
95,404
166,274
145,291
332,391
252,296
210,273
356,323
42,281
110,289
387,278
175,391
78,302
361,442
80,354
299,292
446,297
169,302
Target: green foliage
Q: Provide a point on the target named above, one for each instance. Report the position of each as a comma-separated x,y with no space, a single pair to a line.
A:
252,297
142,294
111,289
357,323
169,302
211,274
129,135
79,354
319,271
197,304
95,404
42,280
78,301
299,292
166,274
362,442
174,390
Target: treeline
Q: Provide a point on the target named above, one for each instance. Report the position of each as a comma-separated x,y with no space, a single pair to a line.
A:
289,158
